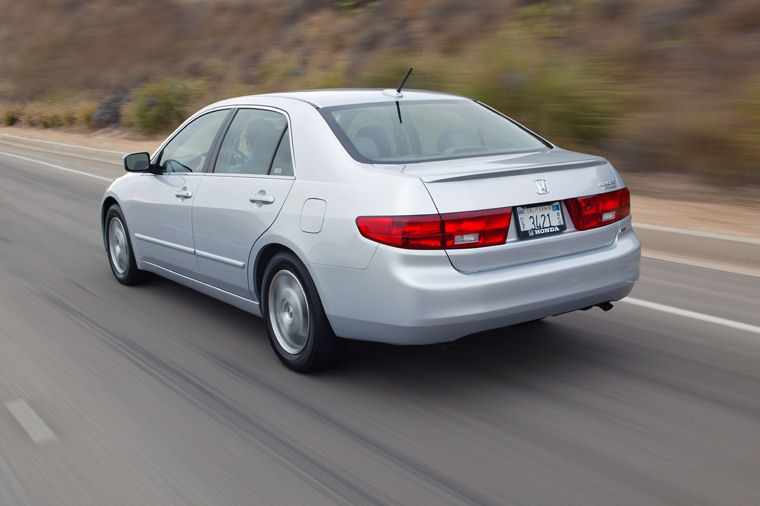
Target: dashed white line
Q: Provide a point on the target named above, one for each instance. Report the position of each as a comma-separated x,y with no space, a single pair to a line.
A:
59,167
692,314
30,421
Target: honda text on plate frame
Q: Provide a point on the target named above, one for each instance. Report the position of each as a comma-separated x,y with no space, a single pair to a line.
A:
540,220
406,218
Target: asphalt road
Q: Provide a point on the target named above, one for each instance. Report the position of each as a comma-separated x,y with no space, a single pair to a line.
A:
159,395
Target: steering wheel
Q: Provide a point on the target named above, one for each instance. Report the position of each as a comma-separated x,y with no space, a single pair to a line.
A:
238,157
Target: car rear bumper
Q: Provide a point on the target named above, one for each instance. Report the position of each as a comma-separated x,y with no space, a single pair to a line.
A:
406,297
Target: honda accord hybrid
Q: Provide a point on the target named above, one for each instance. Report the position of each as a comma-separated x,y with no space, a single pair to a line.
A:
405,217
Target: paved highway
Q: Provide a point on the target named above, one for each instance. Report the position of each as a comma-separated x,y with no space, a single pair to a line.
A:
159,395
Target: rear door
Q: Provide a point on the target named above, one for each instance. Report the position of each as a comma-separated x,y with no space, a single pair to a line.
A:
161,219
241,198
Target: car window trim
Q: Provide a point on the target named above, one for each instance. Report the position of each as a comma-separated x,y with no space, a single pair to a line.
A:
288,128
156,159
217,144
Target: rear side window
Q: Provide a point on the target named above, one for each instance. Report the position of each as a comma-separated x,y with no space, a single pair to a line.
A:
251,143
283,159
422,131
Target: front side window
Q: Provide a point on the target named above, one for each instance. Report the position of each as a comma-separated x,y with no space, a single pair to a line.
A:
422,131
188,150
256,143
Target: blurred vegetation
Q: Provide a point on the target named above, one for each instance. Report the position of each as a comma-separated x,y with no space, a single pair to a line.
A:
49,112
11,116
162,105
656,85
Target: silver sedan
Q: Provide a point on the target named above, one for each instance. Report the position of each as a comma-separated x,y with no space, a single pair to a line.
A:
402,217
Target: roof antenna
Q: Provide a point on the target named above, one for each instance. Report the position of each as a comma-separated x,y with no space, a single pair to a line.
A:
398,90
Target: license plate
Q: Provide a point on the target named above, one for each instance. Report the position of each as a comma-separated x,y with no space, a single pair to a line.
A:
539,220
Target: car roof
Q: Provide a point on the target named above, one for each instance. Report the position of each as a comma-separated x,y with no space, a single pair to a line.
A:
348,96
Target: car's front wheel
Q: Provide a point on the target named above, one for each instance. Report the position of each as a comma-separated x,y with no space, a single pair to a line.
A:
296,323
119,249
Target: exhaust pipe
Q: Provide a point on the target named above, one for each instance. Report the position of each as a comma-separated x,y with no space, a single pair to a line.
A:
605,306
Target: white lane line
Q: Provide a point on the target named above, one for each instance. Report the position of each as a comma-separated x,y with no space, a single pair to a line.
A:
54,166
698,262
692,314
30,139
30,421
93,157
697,233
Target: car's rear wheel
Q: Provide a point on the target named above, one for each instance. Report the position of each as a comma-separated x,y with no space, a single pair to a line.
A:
119,248
296,323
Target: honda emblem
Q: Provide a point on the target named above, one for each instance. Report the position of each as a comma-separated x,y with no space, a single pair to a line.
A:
541,187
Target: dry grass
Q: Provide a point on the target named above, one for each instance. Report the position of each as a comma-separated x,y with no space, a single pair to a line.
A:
48,113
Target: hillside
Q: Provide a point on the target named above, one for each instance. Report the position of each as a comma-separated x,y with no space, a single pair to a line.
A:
655,85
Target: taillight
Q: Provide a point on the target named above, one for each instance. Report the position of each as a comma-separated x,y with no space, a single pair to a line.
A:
472,229
599,210
411,232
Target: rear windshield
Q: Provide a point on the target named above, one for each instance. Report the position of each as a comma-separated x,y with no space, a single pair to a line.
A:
423,131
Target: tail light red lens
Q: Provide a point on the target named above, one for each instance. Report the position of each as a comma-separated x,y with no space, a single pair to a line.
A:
599,210
475,229
411,232
471,229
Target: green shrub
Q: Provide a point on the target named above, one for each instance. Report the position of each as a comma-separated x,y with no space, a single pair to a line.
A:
162,105
11,117
51,120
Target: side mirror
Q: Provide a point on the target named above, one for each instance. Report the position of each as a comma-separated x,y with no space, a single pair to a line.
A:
137,162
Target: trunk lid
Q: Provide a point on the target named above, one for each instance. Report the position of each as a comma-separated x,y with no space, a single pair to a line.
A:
517,180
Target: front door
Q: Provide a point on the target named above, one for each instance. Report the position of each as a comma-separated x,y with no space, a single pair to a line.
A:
241,198
161,219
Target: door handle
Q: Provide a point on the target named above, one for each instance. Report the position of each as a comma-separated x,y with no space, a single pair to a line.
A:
184,193
261,198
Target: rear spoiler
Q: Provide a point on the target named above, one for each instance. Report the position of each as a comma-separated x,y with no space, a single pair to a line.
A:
505,171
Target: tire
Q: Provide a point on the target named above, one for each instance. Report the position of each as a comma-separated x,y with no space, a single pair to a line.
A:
296,323
121,257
